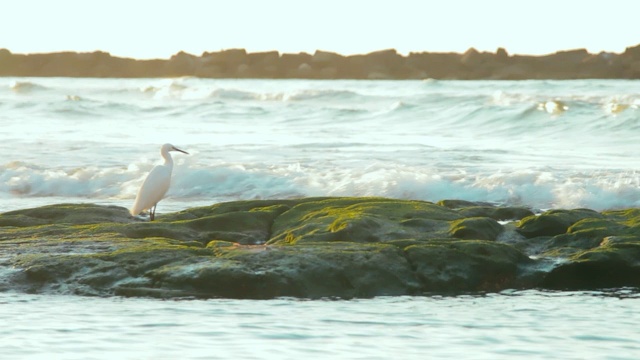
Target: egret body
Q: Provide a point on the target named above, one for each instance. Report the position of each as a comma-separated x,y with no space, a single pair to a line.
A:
156,184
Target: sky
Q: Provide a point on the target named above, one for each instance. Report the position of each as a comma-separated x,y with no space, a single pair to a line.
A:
160,28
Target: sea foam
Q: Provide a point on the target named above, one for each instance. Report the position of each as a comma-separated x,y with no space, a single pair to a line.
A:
537,188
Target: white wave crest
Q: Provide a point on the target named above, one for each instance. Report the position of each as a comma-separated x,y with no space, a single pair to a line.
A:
25,87
232,94
540,189
328,94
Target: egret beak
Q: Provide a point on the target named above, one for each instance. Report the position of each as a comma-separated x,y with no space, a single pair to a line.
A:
182,151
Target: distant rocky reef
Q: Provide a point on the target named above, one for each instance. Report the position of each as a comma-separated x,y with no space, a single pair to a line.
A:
385,64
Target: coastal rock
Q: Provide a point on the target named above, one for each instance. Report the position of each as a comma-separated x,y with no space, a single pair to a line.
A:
182,64
326,58
497,213
384,64
260,65
361,220
296,66
632,52
607,266
502,54
589,231
437,65
553,222
475,209
76,214
344,270
481,228
451,266
479,65
221,64
457,204
313,248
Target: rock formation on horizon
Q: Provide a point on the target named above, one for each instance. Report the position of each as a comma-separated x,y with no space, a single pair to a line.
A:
384,64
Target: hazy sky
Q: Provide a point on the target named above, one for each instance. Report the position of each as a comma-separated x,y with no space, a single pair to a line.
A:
157,28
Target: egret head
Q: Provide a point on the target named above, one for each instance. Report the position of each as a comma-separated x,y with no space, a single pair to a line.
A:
168,147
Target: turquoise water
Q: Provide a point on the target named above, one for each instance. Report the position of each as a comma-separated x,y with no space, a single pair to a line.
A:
508,325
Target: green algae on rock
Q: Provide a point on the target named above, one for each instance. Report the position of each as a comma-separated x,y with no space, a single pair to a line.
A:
361,220
553,222
341,269
315,248
65,214
478,228
467,265
607,266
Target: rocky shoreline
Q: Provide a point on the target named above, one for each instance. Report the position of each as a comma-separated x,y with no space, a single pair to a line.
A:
384,64
316,248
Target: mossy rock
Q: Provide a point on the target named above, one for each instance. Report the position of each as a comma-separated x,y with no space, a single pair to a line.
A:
475,228
315,247
364,220
627,217
459,204
496,213
596,228
587,234
65,214
608,266
462,265
620,239
244,222
511,213
270,206
340,269
553,222
83,268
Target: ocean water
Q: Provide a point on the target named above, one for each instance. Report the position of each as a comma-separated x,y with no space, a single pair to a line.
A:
509,325
543,144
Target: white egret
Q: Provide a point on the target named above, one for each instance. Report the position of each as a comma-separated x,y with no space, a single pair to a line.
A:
156,184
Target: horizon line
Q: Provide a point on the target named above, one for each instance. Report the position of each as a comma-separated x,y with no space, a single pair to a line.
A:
280,53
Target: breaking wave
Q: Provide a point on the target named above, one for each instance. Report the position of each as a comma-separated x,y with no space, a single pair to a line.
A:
537,188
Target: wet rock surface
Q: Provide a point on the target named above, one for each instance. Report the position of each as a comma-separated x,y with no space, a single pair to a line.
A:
316,248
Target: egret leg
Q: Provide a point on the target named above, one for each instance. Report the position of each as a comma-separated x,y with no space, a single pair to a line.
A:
152,212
